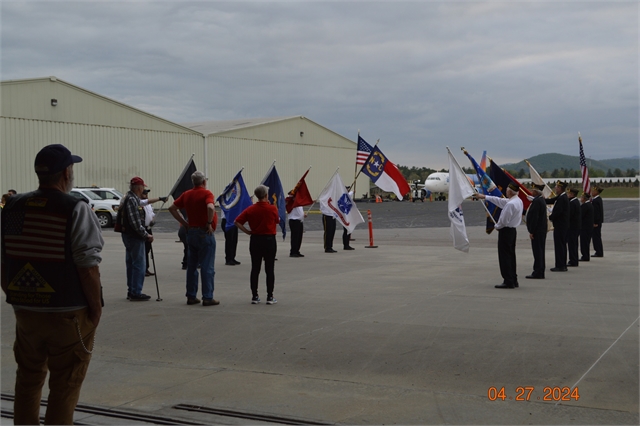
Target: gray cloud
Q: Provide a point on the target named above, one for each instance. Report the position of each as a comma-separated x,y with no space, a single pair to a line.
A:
515,79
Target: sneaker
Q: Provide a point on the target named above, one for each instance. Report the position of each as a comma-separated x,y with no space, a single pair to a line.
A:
236,262
128,295
255,300
271,300
139,297
210,302
192,300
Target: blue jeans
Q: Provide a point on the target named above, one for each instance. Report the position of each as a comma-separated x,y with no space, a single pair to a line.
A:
136,262
202,251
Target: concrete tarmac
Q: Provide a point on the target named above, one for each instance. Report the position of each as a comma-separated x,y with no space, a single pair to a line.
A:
411,332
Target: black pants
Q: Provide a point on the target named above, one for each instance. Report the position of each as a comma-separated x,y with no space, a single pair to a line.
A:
345,238
230,241
297,229
585,243
560,247
572,244
537,247
263,247
596,236
329,225
507,255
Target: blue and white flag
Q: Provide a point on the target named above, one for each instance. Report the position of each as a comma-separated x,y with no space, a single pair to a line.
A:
459,189
276,196
234,199
334,197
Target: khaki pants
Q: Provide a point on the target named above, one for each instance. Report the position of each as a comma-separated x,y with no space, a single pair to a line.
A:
48,341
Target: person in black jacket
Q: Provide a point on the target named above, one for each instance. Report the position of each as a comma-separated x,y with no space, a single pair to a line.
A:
598,218
560,218
537,227
586,226
574,227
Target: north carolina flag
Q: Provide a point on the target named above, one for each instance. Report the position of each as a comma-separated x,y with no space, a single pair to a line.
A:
335,197
299,196
385,174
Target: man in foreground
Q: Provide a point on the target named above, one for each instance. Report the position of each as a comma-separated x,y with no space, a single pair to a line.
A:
51,248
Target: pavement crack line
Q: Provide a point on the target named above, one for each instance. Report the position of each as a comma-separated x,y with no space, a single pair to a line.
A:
603,354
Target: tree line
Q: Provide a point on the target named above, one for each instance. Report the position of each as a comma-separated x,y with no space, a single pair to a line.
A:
421,173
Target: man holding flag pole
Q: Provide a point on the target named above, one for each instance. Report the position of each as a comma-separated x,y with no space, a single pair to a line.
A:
298,198
337,204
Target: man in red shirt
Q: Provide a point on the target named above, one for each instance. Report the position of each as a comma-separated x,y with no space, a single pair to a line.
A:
198,203
263,219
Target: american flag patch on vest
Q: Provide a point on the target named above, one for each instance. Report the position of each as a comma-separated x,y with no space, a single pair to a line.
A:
35,236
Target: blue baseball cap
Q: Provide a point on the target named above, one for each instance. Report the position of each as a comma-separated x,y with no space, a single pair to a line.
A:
53,159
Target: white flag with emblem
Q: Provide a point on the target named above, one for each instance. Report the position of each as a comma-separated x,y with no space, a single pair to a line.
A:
334,197
459,190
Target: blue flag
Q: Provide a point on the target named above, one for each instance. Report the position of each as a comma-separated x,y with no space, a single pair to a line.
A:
488,188
234,199
277,196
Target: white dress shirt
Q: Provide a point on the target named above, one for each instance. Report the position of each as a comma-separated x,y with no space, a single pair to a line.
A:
511,215
297,214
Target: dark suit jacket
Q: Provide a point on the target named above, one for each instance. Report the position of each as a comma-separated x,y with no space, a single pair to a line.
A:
537,216
574,214
586,213
598,210
560,214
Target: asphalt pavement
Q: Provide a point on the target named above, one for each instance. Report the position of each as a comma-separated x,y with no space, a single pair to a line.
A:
411,332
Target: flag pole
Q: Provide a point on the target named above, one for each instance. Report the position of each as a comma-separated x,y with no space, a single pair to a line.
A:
474,188
325,187
355,166
268,171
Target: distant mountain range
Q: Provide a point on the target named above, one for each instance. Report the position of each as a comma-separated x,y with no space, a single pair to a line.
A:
552,161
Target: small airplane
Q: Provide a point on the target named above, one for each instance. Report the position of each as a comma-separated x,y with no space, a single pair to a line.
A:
438,184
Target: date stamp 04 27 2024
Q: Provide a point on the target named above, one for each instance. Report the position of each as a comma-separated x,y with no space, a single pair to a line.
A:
524,393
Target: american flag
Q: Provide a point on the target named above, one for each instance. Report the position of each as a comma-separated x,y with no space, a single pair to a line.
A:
364,149
34,236
586,187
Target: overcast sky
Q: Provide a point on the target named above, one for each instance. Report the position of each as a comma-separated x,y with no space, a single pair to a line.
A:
514,78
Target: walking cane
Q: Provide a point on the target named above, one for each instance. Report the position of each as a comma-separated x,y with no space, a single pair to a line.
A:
155,272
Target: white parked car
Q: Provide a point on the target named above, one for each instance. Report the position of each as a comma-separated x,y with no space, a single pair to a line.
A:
106,210
107,193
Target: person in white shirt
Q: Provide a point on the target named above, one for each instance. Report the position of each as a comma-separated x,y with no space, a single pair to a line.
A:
149,216
510,218
296,219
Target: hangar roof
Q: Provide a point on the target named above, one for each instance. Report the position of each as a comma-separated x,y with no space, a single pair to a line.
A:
220,126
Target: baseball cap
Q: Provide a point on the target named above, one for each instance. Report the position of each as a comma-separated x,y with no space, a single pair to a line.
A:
53,159
137,181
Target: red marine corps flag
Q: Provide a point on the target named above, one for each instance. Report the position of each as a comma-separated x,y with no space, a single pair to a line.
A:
299,196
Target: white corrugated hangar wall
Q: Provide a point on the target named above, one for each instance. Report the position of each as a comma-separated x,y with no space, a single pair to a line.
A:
294,143
118,142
